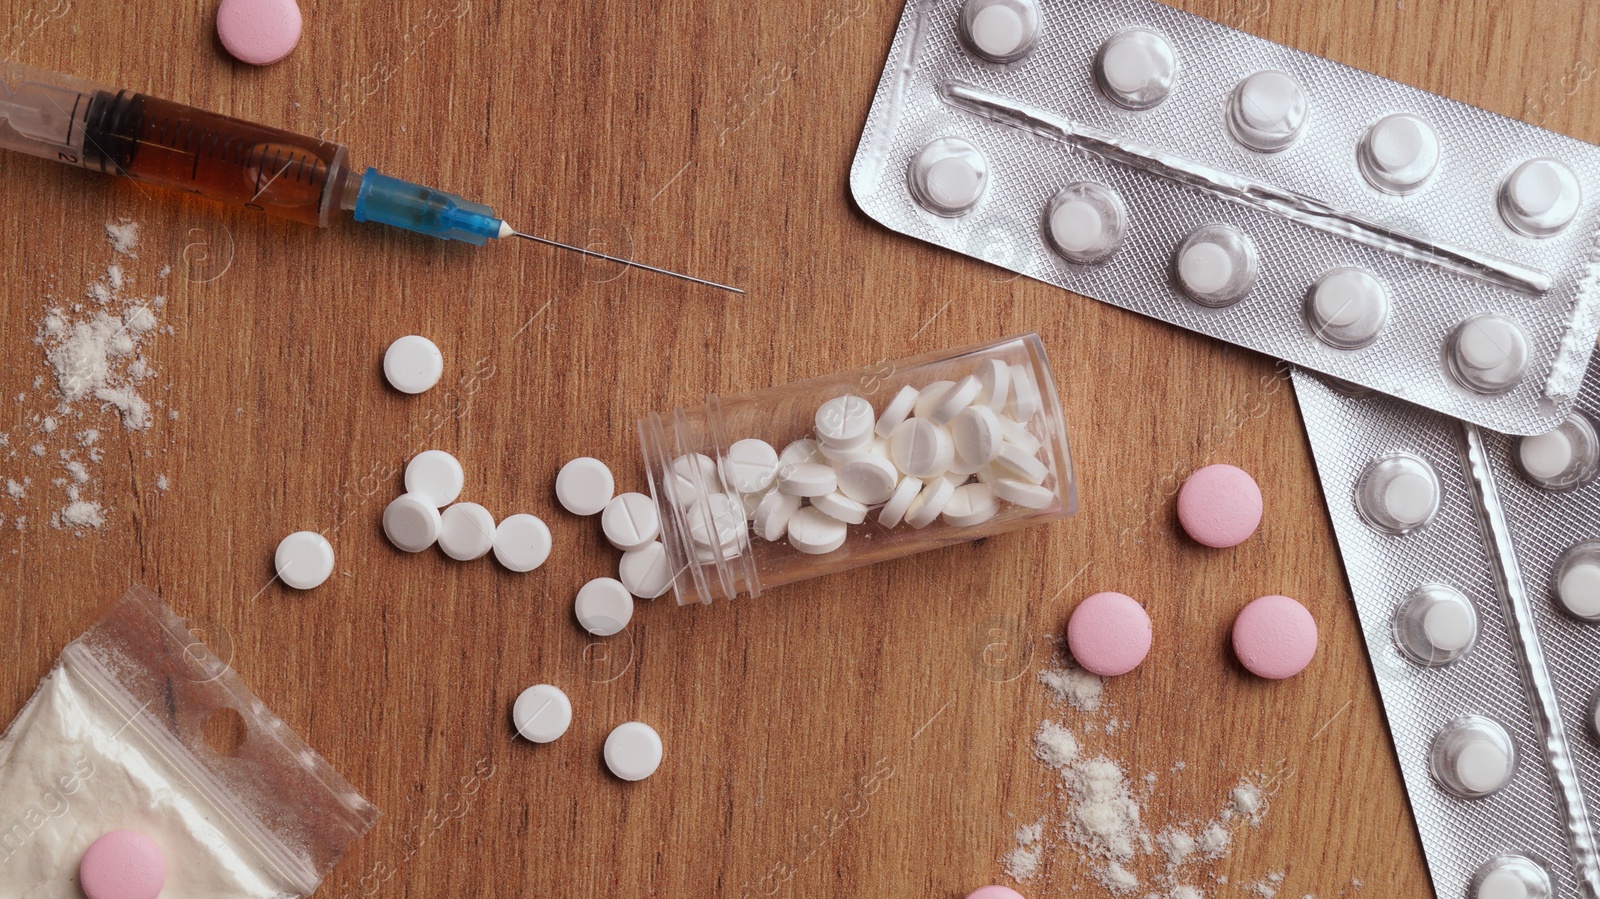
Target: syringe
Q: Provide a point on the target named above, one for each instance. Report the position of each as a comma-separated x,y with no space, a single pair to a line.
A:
155,141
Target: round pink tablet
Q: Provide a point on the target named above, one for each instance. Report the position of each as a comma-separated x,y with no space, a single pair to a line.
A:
994,893
123,864
259,32
1220,506
1275,637
1109,634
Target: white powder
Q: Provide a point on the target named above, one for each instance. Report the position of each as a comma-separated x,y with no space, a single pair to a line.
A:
165,271
123,236
1022,863
1119,879
162,483
37,449
1215,841
1104,818
1187,892
78,472
1055,745
48,425
72,769
1248,801
79,514
15,490
1176,845
115,277
1267,887
1074,686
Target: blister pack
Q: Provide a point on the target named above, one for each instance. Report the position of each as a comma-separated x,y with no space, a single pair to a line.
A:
1181,169
1474,563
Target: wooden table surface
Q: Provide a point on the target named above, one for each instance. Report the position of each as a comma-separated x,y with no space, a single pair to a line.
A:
863,735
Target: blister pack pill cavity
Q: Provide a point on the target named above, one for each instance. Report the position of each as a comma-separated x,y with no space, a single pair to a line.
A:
1270,198
1474,562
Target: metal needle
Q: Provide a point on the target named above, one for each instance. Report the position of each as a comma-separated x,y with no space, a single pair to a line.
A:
649,268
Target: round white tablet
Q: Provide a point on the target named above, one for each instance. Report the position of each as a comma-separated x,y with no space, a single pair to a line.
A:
717,521
803,450
633,751
995,377
838,506
808,479
894,511
1019,436
948,177
304,560
1511,877
976,436
1076,226
1472,756
411,522
1022,493
814,532
1435,625
928,397
1136,68
522,542
585,485
970,505
998,31
1025,398
630,521
921,448
413,364
1024,466
1398,153
1205,267
845,422
1216,265
436,475
466,531
751,464
897,410
646,572
699,470
1578,589
542,713
603,606
927,505
1482,766
1347,308
869,479
959,396
772,516
1267,111
1449,626
1410,498
1545,456
1397,493
1488,353
1540,197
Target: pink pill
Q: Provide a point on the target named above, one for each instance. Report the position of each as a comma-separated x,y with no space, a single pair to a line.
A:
123,864
259,32
1275,637
994,893
1220,506
1109,634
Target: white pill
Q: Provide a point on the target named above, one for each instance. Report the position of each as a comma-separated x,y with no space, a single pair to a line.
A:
808,479
1472,756
897,410
894,511
603,606
960,395
1540,197
304,560
437,475
928,397
1267,111
1397,493
1216,265
935,495
1025,399
961,469
1347,308
845,422
1488,353
801,451
413,364
994,375
1019,435
815,532
584,486
1205,267
869,479
1511,877
1483,767
921,448
1397,141
1136,67
1077,226
646,572
630,521
700,470
411,522
1435,625
977,436
750,465
1410,498
717,521
633,751
752,500
522,542
772,516
1022,493
838,506
466,531
955,183
837,457
1448,626
970,505
1021,464
1398,153
998,31
1546,456
1579,589
542,713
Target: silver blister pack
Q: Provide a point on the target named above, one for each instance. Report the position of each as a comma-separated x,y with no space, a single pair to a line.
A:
1479,599
1381,234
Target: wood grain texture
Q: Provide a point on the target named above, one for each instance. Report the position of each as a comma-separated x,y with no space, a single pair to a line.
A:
715,138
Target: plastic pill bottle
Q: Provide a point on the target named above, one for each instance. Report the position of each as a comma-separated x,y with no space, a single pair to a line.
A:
996,401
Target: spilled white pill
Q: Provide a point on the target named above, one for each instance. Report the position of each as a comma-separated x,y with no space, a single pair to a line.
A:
630,521
869,479
413,364
927,505
466,531
603,606
522,542
633,751
584,486
845,422
646,572
977,436
808,479
304,560
772,516
894,511
542,713
958,397
921,448
411,522
437,475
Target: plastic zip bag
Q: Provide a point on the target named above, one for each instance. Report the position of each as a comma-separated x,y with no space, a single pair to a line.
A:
115,737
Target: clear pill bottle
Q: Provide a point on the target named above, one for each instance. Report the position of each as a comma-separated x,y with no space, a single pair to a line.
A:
979,428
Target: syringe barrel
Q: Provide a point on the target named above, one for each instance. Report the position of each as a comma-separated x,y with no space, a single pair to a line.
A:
159,142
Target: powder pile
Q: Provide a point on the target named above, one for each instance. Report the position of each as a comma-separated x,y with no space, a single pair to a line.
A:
1074,686
93,348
